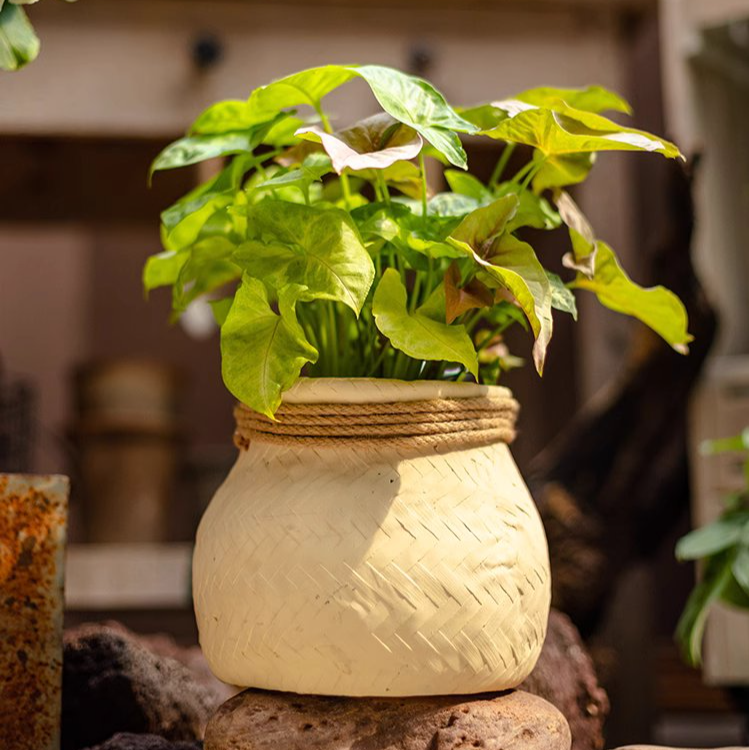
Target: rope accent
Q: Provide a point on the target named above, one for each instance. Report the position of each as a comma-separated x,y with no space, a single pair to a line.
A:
453,423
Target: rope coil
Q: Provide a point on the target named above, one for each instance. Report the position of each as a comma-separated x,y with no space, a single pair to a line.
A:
449,422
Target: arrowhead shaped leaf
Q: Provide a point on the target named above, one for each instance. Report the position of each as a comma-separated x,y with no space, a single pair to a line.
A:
19,44
374,143
417,103
196,148
566,130
657,307
319,249
423,334
591,99
263,352
509,263
307,87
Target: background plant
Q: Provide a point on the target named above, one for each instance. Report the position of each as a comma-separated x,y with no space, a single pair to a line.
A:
723,548
325,250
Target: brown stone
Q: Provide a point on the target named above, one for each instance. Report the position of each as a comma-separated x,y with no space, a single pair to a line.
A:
259,720
565,676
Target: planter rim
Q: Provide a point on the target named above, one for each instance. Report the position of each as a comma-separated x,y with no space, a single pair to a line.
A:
382,390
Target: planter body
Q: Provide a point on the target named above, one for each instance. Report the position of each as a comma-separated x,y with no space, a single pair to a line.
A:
372,571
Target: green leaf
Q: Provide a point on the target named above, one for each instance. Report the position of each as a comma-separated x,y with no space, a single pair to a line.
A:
162,269
263,352
308,87
402,175
227,116
209,266
562,298
312,169
19,44
196,148
656,307
317,248
715,537
533,210
560,171
691,626
423,334
740,568
565,130
418,104
511,264
374,143
220,309
468,185
591,99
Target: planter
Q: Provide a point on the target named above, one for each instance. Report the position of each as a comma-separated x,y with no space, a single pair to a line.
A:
406,558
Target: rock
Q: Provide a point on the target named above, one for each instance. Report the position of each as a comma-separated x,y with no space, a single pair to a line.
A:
145,742
259,720
112,683
565,676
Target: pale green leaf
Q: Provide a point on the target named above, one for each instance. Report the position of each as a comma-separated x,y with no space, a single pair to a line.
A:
740,568
468,185
715,537
657,307
562,298
561,170
162,269
220,309
308,87
19,44
423,334
591,99
263,352
209,266
319,249
566,130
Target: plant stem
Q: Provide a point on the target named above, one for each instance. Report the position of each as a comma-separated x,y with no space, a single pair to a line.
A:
533,172
499,167
380,181
345,185
422,168
522,172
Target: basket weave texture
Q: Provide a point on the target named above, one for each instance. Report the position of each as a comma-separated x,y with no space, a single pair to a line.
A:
381,569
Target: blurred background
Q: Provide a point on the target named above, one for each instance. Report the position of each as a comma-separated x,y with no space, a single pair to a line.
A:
95,383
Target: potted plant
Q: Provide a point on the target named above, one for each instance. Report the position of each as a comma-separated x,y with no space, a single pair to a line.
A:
723,549
375,536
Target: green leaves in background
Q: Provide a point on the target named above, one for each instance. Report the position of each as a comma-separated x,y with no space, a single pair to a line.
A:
19,44
310,247
723,546
263,351
422,334
657,307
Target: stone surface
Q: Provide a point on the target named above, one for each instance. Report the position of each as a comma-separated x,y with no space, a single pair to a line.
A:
126,741
565,676
112,683
259,720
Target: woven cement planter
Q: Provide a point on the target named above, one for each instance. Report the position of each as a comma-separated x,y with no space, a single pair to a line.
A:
354,567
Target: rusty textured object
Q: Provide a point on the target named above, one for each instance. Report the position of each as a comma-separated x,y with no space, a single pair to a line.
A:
33,521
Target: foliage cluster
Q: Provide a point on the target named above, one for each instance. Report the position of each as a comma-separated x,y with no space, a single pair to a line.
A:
323,249
723,548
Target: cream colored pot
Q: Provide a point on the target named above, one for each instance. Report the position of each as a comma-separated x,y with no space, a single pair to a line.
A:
382,571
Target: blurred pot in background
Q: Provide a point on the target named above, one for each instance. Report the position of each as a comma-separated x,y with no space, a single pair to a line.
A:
129,437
